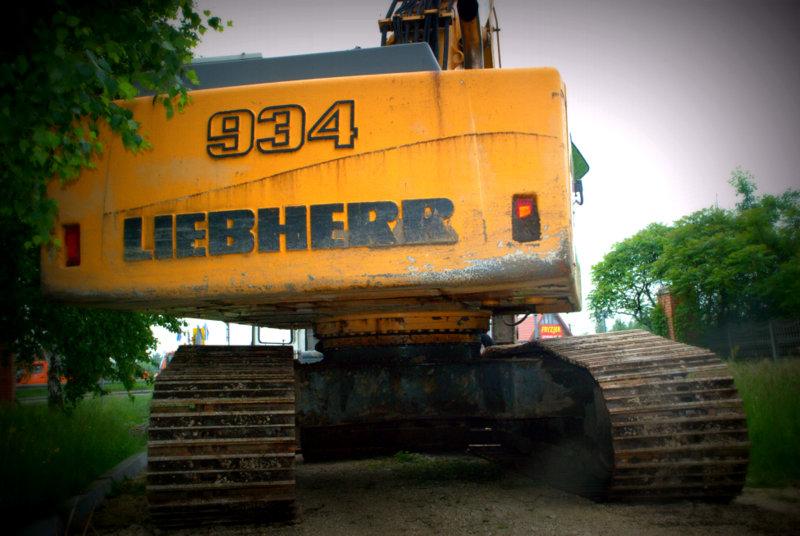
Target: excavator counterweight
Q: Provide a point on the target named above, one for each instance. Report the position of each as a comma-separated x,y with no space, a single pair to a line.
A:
280,203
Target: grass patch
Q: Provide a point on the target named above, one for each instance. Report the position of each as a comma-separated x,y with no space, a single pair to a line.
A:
30,392
140,385
407,457
423,468
39,391
47,456
771,394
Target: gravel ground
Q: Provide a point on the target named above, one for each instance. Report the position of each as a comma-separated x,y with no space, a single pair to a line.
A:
453,495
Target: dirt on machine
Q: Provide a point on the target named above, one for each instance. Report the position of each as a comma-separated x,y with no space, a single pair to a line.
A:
394,201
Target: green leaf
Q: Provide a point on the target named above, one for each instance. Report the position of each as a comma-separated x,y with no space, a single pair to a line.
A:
39,156
46,138
191,75
22,64
169,107
127,90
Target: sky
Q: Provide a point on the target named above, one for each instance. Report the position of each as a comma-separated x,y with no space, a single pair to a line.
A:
666,97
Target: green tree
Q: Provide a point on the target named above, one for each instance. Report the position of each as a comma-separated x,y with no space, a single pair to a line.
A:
722,265
658,321
625,281
745,185
714,269
75,63
736,265
600,325
621,325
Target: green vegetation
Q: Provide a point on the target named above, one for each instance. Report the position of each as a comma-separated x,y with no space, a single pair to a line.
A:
46,456
415,467
626,281
722,266
621,325
770,393
116,387
63,81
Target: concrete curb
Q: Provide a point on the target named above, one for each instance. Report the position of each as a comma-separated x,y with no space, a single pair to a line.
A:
81,506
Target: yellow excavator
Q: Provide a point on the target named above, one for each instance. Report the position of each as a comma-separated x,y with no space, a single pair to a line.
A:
396,201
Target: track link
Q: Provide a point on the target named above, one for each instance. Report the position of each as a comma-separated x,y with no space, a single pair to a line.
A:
678,428
221,439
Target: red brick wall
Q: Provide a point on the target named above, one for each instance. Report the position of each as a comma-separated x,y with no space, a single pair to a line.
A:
667,302
8,377
525,329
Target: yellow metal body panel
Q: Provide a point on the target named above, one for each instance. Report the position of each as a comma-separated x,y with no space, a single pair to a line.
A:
474,139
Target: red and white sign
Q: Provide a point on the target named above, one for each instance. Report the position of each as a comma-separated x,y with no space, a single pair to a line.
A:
550,331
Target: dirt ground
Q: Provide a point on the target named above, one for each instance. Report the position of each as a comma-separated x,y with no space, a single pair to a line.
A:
454,495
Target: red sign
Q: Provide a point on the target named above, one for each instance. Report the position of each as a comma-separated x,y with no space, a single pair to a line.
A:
550,331
37,375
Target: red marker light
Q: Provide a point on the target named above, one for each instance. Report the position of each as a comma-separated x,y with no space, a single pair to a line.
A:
72,243
525,222
523,207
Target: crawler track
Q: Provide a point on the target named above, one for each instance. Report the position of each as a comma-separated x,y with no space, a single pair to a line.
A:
677,424
221,440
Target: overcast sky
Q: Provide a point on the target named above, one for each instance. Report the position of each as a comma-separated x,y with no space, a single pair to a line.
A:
666,97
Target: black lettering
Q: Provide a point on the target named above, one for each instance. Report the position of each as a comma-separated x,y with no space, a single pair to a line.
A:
289,128
270,229
230,133
132,241
424,221
186,233
163,236
230,231
364,230
323,226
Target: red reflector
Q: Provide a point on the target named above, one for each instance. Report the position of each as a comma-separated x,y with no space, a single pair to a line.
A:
525,223
72,243
523,207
